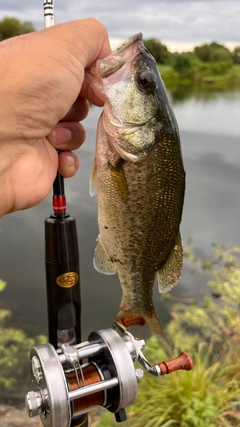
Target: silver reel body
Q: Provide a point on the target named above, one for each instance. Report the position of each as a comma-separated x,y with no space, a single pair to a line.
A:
64,386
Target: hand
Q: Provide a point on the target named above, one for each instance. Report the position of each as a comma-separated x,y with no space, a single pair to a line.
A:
43,96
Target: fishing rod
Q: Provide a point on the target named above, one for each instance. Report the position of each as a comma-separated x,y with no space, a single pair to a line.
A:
71,378
61,257
62,263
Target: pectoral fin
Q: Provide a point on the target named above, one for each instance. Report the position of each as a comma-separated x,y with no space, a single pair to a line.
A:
170,273
101,262
119,180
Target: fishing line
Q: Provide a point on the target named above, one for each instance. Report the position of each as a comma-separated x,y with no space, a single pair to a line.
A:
92,376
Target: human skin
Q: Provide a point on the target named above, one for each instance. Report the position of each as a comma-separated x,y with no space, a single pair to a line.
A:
43,96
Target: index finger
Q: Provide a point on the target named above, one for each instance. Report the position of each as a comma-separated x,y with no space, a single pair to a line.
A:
87,40
88,93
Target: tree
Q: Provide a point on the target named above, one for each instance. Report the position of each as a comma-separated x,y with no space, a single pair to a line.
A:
221,54
10,27
212,52
203,52
183,63
158,50
236,55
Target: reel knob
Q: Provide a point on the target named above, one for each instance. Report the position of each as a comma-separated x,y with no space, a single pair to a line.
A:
183,361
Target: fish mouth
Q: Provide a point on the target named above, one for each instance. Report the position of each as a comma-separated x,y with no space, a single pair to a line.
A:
125,54
106,67
133,39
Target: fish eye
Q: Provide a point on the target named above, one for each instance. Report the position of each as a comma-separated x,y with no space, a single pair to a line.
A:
145,80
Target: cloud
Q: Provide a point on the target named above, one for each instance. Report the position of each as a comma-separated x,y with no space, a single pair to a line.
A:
192,21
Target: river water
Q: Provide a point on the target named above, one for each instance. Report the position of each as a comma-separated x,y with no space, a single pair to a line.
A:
210,134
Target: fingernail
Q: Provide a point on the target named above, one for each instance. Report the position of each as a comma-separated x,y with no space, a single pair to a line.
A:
61,135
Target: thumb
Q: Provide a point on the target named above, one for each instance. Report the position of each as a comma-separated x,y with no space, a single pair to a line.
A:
86,40
46,71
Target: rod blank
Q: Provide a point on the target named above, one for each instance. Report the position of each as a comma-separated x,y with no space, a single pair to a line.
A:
48,9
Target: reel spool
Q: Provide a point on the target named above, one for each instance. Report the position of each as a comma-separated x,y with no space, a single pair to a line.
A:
65,388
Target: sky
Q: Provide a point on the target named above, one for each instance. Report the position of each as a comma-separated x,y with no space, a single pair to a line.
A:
178,24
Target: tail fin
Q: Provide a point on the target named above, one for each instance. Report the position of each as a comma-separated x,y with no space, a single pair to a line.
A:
128,317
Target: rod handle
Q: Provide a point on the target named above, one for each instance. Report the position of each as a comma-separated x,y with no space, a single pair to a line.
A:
183,361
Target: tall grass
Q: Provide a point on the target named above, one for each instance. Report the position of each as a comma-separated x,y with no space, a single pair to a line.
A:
209,395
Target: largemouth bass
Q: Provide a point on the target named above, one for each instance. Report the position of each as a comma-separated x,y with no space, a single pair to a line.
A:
139,179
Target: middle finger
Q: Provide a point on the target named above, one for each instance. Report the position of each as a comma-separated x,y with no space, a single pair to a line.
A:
78,111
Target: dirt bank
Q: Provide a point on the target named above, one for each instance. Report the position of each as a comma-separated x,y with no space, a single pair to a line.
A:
12,416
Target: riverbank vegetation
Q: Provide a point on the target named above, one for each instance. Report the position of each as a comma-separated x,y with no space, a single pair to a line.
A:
209,330
209,395
209,66
15,346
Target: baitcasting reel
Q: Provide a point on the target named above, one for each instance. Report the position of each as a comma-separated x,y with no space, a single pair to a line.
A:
65,387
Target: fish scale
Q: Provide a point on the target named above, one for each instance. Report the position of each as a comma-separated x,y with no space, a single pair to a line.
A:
139,179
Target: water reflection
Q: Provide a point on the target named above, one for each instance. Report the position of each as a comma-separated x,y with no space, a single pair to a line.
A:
182,93
215,113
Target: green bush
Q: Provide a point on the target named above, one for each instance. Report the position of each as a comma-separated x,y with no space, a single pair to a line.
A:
15,346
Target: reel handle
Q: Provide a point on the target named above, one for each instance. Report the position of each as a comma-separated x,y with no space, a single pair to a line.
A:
183,361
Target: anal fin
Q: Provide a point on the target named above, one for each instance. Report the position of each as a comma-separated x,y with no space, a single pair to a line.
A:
170,273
